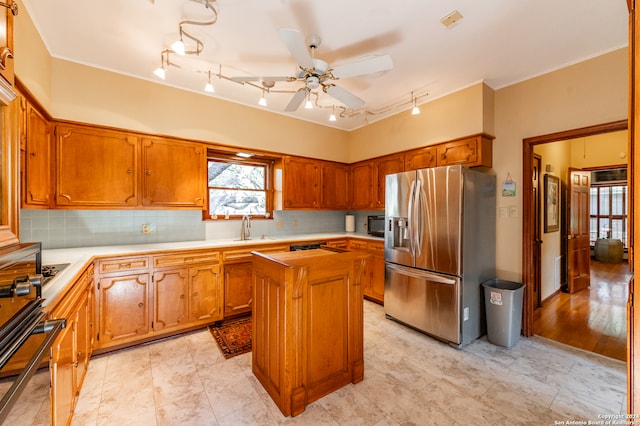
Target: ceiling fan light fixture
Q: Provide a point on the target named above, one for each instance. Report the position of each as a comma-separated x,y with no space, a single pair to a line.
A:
308,104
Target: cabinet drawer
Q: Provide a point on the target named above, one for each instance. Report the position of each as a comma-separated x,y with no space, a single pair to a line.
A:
120,264
245,253
337,244
357,245
376,248
181,259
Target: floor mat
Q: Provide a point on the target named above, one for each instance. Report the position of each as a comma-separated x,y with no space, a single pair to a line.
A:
233,336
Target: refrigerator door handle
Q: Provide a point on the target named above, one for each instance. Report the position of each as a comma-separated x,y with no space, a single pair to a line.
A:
419,217
410,219
415,214
421,275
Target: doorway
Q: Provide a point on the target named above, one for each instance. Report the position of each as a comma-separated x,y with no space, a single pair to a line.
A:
531,244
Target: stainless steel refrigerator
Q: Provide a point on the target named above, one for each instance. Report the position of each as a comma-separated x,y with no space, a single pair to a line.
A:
440,226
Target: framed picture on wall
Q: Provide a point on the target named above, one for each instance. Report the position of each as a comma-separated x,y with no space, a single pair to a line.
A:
551,203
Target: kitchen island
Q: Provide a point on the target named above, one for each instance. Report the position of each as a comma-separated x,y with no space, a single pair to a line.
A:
307,324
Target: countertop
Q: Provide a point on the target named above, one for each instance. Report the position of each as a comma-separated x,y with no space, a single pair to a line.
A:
79,257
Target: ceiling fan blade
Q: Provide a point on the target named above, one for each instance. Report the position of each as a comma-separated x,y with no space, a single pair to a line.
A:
347,98
297,47
297,99
254,78
365,66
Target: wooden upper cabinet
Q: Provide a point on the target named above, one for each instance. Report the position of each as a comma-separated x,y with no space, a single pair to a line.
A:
301,183
385,166
95,167
471,151
362,183
173,173
422,158
35,146
334,178
6,43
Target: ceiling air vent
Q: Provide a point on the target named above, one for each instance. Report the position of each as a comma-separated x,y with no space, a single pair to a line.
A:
451,19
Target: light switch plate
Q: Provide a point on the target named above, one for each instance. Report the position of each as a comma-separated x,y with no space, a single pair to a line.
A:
503,212
513,211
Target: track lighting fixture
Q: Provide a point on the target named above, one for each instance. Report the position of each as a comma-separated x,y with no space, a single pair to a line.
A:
160,72
263,100
178,46
209,87
415,110
332,117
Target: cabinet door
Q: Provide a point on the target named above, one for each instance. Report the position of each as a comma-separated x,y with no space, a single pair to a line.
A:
95,167
472,151
62,380
123,308
205,294
173,173
83,339
170,301
420,158
301,180
376,290
238,288
386,166
36,161
362,183
335,183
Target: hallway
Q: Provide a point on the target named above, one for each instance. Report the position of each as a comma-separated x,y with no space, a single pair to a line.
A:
593,319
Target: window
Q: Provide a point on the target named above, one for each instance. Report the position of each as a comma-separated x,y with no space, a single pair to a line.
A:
608,205
238,186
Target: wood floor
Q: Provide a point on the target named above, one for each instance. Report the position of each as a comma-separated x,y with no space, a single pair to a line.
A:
593,319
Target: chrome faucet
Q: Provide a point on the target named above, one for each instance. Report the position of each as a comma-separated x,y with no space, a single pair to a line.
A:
245,227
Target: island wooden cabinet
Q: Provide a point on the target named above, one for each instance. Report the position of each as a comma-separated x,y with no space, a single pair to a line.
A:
35,147
471,151
95,167
238,284
72,348
307,324
174,173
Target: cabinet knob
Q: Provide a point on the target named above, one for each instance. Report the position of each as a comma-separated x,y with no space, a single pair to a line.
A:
195,294
140,305
182,296
129,170
148,172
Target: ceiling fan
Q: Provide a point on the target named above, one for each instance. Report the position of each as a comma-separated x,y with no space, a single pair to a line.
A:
316,73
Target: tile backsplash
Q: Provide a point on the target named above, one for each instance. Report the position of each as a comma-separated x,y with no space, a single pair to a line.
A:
86,228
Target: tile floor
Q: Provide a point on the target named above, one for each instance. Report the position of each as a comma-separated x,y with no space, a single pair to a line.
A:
410,379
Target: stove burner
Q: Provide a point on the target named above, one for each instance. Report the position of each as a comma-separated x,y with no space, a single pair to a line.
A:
50,271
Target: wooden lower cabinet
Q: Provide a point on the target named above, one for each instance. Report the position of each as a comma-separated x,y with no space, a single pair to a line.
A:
238,283
139,299
238,289
374,284
123,308
72,348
